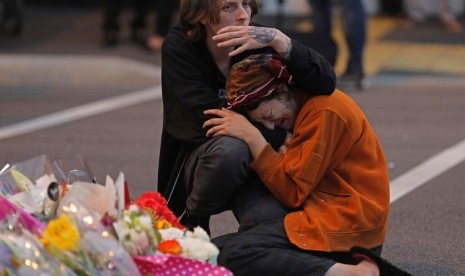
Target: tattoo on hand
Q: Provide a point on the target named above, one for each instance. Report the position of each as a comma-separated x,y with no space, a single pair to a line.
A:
262,35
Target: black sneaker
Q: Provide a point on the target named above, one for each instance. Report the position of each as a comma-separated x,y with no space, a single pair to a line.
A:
385,267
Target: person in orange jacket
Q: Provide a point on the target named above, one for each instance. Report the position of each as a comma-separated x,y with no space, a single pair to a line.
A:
331,175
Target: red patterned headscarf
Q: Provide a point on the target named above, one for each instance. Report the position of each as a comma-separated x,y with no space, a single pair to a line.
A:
254,78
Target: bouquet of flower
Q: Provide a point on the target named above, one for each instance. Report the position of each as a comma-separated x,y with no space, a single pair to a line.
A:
85,246
175,239
54,226
136,233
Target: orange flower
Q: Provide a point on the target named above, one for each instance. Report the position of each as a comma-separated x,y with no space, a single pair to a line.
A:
170,247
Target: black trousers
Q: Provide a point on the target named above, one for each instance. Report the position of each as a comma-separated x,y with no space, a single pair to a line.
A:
266,250
218,178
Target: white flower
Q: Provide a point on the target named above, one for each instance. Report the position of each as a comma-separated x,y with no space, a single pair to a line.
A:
140,240
172,233
198,233
145,222
133,208
199,249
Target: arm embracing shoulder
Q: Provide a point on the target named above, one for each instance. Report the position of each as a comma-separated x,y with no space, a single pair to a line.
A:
311,71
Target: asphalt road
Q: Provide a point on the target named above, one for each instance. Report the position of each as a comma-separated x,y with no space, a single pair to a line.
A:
58,64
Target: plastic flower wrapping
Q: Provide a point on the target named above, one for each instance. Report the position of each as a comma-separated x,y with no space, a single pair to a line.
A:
50,224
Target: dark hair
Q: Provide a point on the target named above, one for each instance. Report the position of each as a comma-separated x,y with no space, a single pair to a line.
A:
280,93
191,13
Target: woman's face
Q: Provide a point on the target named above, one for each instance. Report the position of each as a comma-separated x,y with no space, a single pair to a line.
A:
232,13
277,112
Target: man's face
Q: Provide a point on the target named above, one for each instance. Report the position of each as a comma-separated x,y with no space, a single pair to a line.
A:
276,112
232,13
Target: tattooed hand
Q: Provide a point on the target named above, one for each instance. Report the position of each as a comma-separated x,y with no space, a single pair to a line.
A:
251,37
262,35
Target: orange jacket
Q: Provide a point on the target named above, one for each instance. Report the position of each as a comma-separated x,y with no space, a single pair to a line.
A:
334,176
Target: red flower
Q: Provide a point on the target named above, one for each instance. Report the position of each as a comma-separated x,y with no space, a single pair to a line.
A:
156,203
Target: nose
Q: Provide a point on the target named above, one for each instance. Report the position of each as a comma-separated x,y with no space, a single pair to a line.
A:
242,14
268,124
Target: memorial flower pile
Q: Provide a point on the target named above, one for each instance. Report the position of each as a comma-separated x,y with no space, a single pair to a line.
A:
69,224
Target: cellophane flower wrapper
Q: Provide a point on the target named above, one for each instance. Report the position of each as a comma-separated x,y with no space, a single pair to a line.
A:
99,250
108,254
24,219
94,197
21,252
26,183
20,176
136,233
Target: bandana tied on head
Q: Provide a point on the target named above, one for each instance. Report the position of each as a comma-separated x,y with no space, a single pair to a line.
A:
254,78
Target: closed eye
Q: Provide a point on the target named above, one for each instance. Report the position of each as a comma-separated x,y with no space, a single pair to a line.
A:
270,115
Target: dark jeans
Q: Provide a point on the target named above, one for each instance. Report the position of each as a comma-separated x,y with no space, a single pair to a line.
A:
218,178
266,250
354,24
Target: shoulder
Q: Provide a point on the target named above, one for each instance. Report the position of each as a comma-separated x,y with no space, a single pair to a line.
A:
335,107
176,40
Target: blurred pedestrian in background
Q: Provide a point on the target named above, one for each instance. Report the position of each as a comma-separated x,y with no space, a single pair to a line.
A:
417,11
166,10
112,10
354,25
141,34
11,20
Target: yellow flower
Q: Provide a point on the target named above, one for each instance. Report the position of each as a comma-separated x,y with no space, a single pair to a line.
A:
62,233
162,223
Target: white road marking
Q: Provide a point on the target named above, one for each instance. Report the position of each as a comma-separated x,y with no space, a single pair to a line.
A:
81,112
427,170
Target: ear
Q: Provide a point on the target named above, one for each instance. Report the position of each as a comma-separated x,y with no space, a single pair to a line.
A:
204,20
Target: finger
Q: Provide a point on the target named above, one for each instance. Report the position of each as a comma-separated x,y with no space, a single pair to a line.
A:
228,29
213,131
238,50
227,36
212,122
239,41
212,112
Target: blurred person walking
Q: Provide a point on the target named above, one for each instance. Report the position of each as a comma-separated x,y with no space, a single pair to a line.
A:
166,10
417,11
354,25
11,19
112,29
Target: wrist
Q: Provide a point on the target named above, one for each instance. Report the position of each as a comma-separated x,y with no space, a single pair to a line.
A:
283,46
256,144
